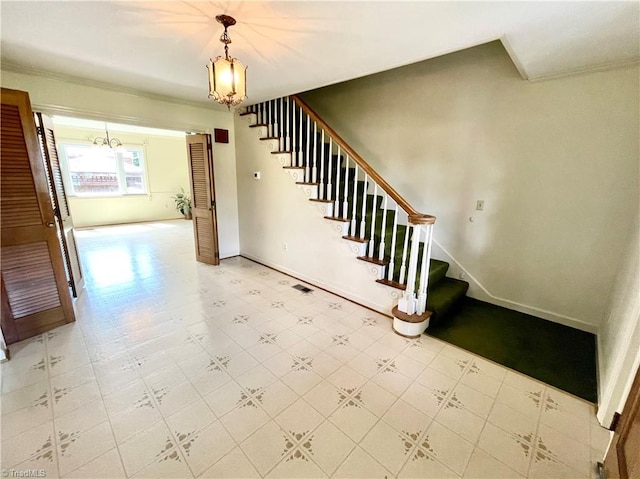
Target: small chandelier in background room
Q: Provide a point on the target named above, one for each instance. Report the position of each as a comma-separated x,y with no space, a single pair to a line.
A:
227,75
106,142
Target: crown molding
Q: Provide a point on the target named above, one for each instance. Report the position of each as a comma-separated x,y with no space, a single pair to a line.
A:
61,77
602,67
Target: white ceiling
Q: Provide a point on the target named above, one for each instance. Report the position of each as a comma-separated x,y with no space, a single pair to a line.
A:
161,48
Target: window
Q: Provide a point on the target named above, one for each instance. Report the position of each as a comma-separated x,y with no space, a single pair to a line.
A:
104,171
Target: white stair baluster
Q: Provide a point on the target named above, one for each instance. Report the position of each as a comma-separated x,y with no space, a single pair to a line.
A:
355,201
329,178
307,157
274,128
321,188
287,137
274,111
294,138
374,212
276,120
336,209
403,265
345,202
281,122
300,138
363,223
424,271
384,228
270,127
394,233
314,168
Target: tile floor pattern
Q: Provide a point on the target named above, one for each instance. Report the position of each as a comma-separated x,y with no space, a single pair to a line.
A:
179,369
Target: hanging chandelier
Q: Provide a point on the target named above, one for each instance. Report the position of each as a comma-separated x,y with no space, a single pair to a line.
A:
227,75
106,142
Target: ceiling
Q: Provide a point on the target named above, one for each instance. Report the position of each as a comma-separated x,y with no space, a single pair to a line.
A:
161,48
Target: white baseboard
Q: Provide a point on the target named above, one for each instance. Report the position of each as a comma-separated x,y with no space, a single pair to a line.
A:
319,284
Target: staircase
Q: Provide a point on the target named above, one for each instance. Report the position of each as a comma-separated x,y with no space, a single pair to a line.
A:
382,227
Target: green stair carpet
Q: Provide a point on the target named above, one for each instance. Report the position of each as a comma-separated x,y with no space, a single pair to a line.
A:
558,355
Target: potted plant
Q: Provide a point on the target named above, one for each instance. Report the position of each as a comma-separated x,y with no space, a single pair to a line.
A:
183,203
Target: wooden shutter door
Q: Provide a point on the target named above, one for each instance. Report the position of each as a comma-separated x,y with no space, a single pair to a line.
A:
35,294
60,204
203,194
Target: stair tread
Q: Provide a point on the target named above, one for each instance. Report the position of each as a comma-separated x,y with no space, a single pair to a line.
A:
246,113
377,261
356,238
445,295
293,167
437,271
337,218
318,200
270,138
306,183
256,125
393,284
280,152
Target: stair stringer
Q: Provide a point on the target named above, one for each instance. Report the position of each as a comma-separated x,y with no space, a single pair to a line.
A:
274,211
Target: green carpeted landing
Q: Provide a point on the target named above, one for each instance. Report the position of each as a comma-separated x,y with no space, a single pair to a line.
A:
555,354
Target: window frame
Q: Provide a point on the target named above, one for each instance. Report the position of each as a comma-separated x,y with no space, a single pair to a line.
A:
120,172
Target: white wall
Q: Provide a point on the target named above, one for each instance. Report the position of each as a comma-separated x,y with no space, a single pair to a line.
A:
167,170
619,337
274,211
556,163
73,99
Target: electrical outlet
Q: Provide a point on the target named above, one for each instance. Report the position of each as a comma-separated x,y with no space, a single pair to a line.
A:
285,246
479,205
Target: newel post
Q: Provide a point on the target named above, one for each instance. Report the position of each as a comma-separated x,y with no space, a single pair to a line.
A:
410,316
407,304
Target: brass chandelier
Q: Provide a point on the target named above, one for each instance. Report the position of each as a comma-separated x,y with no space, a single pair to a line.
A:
227,75
107,142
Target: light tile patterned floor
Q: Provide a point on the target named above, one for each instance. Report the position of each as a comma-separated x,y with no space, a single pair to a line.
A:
178,369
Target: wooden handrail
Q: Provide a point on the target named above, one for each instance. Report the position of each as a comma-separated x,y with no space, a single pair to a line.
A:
415,217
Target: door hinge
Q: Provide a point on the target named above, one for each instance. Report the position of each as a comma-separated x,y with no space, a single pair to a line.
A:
602,471
70,283
614,422
40,130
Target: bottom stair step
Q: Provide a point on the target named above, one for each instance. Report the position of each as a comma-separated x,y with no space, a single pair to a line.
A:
445,296
437,271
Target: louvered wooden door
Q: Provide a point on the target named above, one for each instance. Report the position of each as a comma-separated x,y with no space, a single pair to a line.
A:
203,194
35,294
60,204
